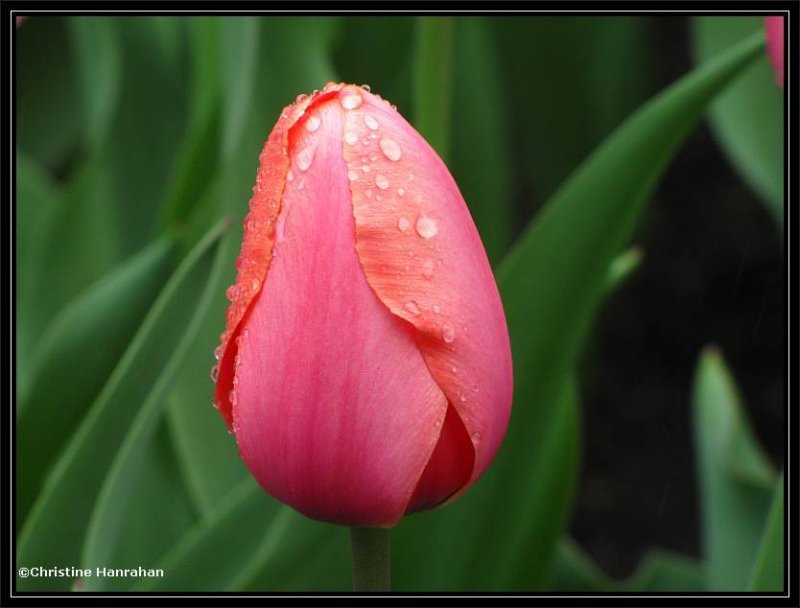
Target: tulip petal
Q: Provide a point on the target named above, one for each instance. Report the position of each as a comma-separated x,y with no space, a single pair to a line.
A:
334,409
256,253
422,255
449,468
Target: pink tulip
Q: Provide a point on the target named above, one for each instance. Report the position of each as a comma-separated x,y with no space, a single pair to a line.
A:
774,31
365,369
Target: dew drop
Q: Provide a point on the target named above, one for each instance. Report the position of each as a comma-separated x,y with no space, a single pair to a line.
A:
454,369
365,168
437,309
368,193
232,397
476,436
474,388
218,352
350,101
366,87
370,121
313,122
426,226
390,148
448,333
214,373
351,137
255,284
304,158
412,307
382,181
401,192
290,176
232,292
462,397
352,175
403,224
427,269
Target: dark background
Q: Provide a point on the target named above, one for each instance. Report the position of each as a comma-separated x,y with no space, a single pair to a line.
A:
712,273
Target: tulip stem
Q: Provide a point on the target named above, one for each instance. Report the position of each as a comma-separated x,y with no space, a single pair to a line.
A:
371,564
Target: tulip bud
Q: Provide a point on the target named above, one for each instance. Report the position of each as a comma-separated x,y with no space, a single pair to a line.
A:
365,368
774,30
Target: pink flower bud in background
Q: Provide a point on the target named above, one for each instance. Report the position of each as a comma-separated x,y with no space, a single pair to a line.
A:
365,368
773,27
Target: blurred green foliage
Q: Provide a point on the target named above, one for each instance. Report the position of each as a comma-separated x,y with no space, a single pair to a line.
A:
137,135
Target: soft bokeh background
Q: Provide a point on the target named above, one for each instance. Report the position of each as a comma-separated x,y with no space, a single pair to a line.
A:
136,136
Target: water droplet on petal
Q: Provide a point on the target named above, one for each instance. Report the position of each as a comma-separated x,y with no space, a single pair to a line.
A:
351,137
352,175
304,158
390,148
454,369
462,397
381,181
232,292
350,101
255,284
214,373
313,122
448,333
437,309
427,226
476,436
365,168
403,224
366,87
474,388
232,397
218,352
289,175
370,121
368,193
412,307
427,269
401,192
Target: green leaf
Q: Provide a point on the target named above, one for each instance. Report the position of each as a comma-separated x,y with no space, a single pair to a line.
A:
769,571
574,81
200,149
736,478
38,204
248,541
622,267
83,244
432,83
480,159
144,143
659,571
98,59
207,454
159,512
114,496
240,41
748,118
75,357
54,531
46,131
481,541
